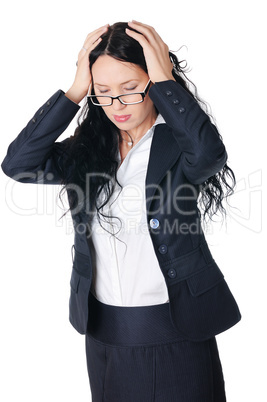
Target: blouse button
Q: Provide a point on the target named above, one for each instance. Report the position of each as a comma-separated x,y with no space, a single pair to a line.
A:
169,93
154,223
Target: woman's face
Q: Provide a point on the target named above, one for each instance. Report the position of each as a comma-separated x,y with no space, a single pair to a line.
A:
112,77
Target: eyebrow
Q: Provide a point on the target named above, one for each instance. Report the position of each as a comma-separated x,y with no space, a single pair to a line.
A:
122,83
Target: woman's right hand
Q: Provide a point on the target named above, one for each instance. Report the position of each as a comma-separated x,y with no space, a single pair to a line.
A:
82,80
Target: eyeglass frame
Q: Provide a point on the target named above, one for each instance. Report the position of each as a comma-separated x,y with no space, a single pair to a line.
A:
143,94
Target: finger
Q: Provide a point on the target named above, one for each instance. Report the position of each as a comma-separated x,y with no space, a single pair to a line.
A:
90,46
148,31
147,42
92,39
97,30
137,36
141,24
85,52
96,42
93,36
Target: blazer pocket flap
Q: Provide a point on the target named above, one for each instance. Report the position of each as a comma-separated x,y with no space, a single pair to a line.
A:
81,263
205,279
74,281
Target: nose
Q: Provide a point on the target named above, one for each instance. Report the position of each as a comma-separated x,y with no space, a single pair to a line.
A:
117,105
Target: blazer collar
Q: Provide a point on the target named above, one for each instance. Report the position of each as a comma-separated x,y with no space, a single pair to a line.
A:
164,153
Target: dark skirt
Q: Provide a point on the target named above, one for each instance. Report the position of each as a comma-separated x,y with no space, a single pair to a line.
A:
134,354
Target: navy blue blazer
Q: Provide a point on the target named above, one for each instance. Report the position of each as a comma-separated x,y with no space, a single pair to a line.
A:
185,152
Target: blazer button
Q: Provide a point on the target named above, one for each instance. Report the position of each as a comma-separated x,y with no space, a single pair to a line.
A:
163,249
172,273
181,109
154,223
41,111
176,102
34,120
169,93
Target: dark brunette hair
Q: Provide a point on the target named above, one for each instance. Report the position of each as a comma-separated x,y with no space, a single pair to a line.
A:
94,146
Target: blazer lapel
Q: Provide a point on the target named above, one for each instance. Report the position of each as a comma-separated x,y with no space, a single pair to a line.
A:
163,154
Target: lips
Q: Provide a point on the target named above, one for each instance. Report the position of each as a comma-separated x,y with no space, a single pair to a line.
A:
121,118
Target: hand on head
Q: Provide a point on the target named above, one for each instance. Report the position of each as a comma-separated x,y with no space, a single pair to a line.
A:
82,79
156,52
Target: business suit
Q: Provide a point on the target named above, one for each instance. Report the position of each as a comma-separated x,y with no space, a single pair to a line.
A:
184,153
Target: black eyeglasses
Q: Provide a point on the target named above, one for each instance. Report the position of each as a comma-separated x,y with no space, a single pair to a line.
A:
125,99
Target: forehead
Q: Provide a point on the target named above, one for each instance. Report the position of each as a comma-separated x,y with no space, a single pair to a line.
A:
107,71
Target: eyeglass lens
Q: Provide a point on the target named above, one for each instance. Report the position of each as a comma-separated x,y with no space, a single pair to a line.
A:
127,98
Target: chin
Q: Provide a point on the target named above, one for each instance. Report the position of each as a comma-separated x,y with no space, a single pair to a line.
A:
126,126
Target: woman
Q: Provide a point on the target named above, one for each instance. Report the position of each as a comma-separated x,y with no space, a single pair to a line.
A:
144,288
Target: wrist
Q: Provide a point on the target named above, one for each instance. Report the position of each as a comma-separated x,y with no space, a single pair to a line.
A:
76,94
165,78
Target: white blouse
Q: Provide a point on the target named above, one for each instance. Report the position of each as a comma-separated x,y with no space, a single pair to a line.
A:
126,271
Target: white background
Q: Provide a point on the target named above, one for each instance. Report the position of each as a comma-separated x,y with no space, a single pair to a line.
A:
42,357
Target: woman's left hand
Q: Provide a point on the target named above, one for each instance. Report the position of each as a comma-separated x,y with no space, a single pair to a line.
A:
156,52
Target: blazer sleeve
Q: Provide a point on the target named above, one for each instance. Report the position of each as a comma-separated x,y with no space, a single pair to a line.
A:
203,152
34,156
